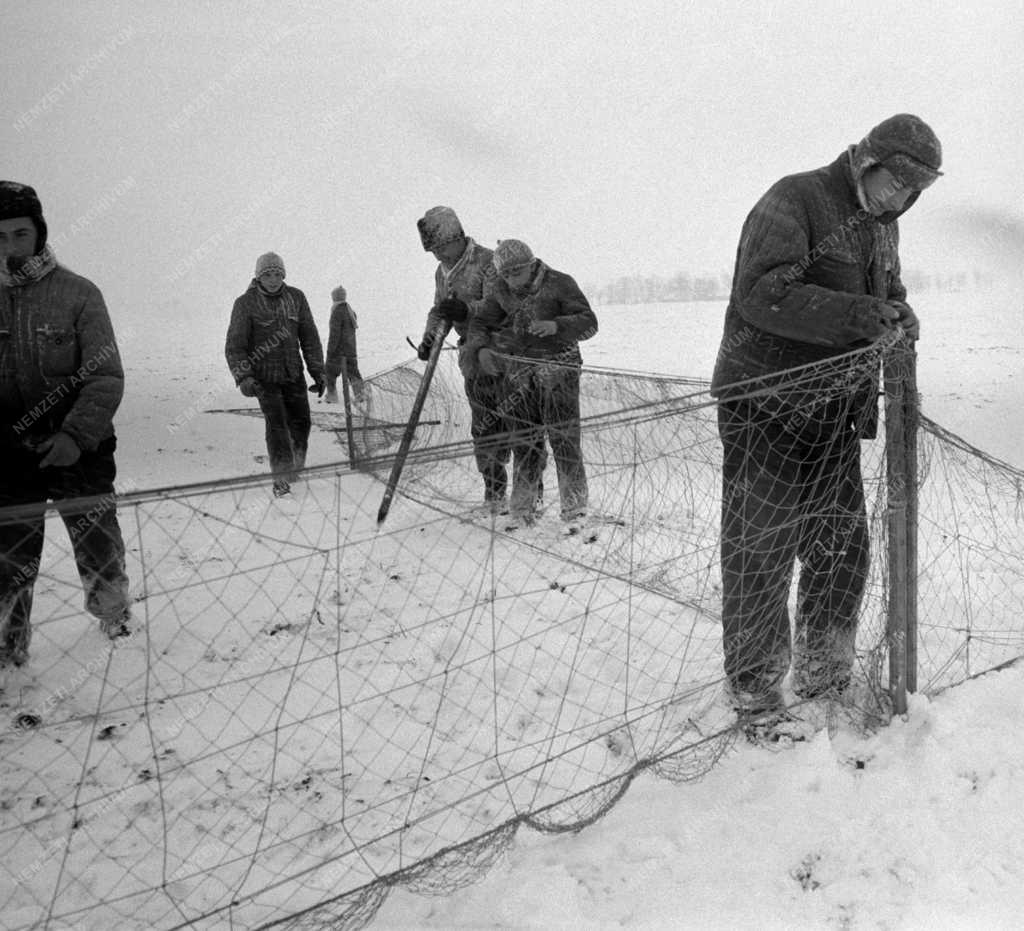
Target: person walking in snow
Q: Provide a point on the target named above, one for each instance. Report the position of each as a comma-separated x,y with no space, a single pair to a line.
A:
270,334
463,279
61,382
817,274
528,330
341,348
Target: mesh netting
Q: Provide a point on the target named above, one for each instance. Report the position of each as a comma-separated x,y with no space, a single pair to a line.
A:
314,708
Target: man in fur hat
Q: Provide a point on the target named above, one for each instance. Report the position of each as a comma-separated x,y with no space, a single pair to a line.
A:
817,275
61,383
462,281
341,348
270,333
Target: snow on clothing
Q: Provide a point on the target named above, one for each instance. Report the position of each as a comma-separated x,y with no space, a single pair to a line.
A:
811,270
471,279
341,343
268,337
503,324
60,370
542,380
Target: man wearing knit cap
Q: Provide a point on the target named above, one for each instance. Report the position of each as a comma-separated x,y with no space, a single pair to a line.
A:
462,281
341,348
61,383
529,329
817,275
270,333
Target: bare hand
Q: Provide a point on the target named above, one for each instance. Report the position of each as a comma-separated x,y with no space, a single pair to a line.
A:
488,363
906,318
543,328
59,450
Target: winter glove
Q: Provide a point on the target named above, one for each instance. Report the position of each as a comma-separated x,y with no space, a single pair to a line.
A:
868,319
453,310
249,386
423,350
319,386
358,390
907,318
58,450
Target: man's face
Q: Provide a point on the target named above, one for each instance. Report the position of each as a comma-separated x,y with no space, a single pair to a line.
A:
18,238
519,277
450,252
884,191
272,280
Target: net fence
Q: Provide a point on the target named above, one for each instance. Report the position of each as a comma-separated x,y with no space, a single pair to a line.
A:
313,709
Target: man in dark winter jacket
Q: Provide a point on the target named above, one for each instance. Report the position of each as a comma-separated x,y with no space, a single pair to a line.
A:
462,281
61,382
817,275
528,330
270,333
341,348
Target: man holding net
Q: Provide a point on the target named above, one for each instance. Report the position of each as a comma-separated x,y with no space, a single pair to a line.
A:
815,287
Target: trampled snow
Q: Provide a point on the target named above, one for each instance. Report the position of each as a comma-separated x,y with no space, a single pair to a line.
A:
915,827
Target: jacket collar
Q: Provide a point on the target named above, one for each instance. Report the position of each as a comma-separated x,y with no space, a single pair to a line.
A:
37,267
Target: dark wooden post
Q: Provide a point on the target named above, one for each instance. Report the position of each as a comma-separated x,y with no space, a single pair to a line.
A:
348,415
901,472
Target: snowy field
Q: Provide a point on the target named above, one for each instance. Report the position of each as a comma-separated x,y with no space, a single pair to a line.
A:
909,828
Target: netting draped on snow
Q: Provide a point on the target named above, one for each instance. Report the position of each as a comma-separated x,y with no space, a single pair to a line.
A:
315,708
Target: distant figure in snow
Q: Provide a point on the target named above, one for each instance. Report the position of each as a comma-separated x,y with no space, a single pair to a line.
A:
341,348
528,331
817,274
61,383
270,333
462,281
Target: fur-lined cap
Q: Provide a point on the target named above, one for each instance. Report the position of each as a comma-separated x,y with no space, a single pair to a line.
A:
20,200
438,227
905,145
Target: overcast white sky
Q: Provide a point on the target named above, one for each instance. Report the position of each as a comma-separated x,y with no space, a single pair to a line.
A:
173,143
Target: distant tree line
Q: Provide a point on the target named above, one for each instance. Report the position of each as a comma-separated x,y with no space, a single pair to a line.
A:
655,289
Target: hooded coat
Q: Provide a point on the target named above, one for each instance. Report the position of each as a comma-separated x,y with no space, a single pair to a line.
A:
470,279
811,268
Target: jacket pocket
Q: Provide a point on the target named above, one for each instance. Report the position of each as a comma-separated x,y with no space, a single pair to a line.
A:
268,332
58,351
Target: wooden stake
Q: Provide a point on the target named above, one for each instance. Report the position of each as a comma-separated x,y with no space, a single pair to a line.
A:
414,417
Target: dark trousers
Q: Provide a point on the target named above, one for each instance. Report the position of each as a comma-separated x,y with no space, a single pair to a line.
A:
489,429
545,405
791,490
92,527
286,414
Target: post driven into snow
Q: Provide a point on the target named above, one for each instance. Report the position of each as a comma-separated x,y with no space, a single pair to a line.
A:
899,367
